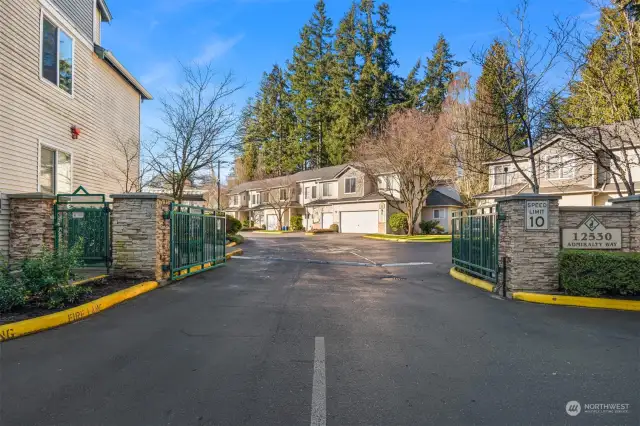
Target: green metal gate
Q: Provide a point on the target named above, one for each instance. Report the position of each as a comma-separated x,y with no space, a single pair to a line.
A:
475,242
86,218
197,239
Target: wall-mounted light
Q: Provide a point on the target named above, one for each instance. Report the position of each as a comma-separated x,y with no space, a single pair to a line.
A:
75,132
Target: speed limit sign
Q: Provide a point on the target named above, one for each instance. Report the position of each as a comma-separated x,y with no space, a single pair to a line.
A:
537,217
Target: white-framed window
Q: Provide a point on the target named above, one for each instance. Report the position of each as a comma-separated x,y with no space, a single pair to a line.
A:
307,193
350,185
314,192
54,171
499,176
283,194
56,55
235,200
327,189
437,214
560,167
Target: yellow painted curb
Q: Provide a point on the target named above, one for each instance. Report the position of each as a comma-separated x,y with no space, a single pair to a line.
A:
35,325
269,232
487,286
402,240
237,252
89,280
310,234
232,244
586,302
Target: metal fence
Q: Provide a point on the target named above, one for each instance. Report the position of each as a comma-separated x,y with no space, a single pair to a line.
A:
83,218
475,241
197,240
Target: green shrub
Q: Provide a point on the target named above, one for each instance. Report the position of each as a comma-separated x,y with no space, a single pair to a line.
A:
399,223
296,223
246,224
238,239
263,227
233,225
428,226
439,229
334,227
595,273
12,292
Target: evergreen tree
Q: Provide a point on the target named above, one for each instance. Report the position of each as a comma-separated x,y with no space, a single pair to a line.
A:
439,72
309,73
412,88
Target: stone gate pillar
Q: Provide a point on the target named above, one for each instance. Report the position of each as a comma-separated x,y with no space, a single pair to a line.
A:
532,254
632,202
30,224
140,235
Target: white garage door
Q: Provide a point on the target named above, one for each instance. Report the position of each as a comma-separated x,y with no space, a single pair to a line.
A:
359,222
327,220
272,222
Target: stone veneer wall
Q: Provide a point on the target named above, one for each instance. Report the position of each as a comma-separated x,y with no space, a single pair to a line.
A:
611,217
532,256
30,224
633,204
140,235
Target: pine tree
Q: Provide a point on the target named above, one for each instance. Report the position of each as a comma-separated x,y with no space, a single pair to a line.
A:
439,72
309,73
412,89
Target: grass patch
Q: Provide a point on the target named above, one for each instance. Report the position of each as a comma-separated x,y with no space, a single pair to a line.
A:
411,238
238,239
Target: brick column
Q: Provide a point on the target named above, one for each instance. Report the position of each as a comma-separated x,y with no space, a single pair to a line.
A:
30,224
532,256
140,235
632,202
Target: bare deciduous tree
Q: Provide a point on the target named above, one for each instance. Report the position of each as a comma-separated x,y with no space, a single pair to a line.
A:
199,122
126,165
413,151
280,199
517,109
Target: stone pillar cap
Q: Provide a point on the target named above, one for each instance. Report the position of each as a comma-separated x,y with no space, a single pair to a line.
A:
142,196
625,199
529,197
32,196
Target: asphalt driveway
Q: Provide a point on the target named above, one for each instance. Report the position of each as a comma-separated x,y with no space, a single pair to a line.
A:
330,321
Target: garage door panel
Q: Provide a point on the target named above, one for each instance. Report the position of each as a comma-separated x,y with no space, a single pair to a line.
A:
363,222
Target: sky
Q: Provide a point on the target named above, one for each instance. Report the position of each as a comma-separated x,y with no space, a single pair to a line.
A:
152,37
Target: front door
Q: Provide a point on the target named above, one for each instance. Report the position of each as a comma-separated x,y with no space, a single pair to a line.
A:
327,220
272,222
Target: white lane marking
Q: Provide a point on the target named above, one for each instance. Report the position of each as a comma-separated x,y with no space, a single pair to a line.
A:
319,392
368,260
406,264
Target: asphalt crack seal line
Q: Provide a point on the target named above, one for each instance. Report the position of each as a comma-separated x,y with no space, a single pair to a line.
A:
333,262
319,391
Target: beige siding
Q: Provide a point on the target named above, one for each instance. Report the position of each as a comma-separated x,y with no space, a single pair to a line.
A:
362,184
79,12
34,112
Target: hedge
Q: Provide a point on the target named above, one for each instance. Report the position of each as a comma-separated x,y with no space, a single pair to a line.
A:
596,273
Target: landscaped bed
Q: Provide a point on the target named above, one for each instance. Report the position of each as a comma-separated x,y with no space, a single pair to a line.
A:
35,307
412,238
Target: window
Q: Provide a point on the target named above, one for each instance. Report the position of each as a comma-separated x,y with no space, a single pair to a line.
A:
314,193
499,176
253,199
436,214
57,56
327,189
560,167
307,193
55,171
235,200
350,185
283,194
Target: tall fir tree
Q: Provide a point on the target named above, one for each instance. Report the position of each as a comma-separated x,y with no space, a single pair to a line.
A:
439,72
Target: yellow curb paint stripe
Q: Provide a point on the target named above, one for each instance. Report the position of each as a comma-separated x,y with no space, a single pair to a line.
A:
237,252
89,280
485,285
404,240
586,302
35,325
269,232
232,244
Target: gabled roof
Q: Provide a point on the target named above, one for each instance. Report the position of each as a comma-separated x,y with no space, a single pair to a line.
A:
108,57
437,198
104,10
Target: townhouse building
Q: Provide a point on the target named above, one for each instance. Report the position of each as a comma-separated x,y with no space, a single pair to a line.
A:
341,195
64,99
581,179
